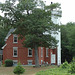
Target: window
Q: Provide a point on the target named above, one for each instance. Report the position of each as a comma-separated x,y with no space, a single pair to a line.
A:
41,62
29,62
41,51
46,52
15,38
15,51
29,52
53,58
15,62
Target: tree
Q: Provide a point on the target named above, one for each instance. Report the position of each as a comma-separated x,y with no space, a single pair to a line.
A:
32,20
71,38
3,33
67,41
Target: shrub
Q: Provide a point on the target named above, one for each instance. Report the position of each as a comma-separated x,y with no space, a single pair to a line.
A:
19,69
8,62
72,68
73,60
65,65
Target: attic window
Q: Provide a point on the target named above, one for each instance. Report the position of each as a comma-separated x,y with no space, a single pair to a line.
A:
15,38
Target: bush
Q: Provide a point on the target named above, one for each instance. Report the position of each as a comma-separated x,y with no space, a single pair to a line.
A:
19,69
8,62
65,65
73,60
72,68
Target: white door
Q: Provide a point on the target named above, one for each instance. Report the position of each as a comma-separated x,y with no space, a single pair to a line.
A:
53,58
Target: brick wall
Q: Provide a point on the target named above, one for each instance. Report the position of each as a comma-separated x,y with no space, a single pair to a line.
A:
23,52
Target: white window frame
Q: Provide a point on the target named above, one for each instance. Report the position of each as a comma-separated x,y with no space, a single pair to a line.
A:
15,61
29,61
53,58
47,52
14,39
28,52
41,51
41,62
13,51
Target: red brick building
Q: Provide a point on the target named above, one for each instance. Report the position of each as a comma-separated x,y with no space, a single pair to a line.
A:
13,49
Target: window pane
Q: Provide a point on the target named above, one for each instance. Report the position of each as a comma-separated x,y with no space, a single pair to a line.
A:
15,39
15,51
41,51
29,63
46,52
30,52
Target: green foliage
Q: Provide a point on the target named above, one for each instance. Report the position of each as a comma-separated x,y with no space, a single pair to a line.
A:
72,68
56,71
64,65
19,69
73,60
8,62
32,20
65,69
67,41
3,33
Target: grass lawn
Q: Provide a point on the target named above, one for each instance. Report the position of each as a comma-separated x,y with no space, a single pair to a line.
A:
64,69
29,70
54,71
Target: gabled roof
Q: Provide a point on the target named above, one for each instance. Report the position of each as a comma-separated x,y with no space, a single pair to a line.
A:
9,33
4,46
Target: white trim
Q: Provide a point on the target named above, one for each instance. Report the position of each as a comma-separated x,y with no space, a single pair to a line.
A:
41,62
53,58
47,52
28,52
41,51
15,61
14,35
29,61
9,33
4,46
7,37
17,51
59,49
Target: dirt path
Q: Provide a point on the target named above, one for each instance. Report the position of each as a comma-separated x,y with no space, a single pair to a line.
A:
29,70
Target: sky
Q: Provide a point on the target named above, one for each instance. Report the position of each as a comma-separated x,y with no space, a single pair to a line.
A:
67,7
68,10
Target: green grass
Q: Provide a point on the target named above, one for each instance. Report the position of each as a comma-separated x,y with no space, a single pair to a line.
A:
64,69
54,71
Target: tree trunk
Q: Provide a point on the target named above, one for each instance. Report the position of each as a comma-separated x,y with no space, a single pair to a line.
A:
36,56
